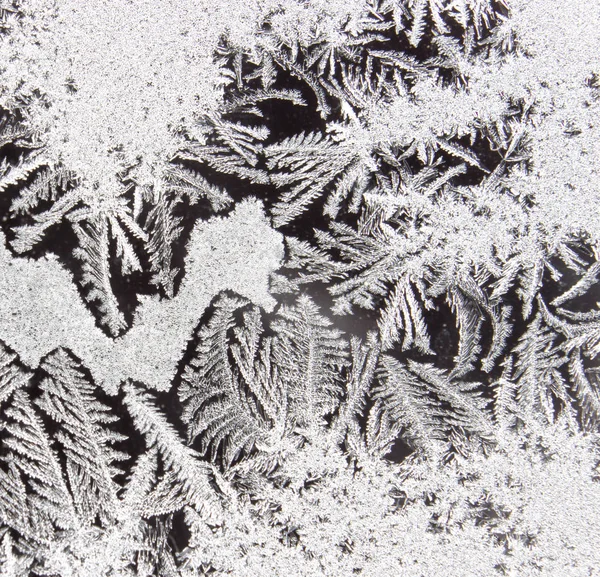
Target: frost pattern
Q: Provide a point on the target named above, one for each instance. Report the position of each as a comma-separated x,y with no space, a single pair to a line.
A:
238,253
415,391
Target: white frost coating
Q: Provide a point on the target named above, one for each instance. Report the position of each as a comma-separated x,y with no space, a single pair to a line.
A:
117,73
125,74
40,308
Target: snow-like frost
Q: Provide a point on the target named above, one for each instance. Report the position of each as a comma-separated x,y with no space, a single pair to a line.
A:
126,74
117,74
40,308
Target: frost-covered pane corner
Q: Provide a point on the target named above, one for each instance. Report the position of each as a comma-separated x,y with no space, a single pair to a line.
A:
298,287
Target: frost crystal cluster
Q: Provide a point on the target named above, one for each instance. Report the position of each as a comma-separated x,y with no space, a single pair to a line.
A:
299,288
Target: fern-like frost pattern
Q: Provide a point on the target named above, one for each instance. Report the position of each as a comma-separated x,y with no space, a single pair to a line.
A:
424,396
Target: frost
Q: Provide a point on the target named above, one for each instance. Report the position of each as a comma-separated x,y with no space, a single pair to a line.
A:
389,364
117,74
41,310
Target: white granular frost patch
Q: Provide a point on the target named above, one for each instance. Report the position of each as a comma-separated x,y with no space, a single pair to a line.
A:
123,76
41,310
115,74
